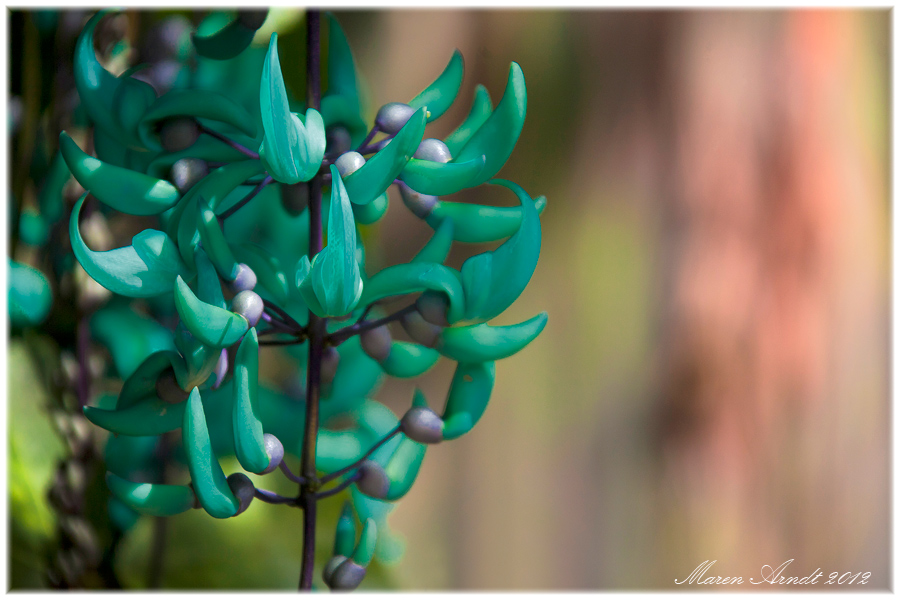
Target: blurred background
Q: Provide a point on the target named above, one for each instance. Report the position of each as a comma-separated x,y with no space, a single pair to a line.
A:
713,383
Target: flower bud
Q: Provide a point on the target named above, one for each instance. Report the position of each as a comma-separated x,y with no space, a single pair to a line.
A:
330,360
294,197
275,452
331,566
243,489
337,140
348,162
221,369
393,116
249,305
178,134
347,576
421,424
245,279
166,40
373,480
434,150
252,19
420,205
420,330
186,172
168,390
376,342
433,308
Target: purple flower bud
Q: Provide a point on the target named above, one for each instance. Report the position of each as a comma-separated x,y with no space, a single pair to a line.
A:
421,424
393,116
434,150
249,305
373,480
348,162
274,450
245,279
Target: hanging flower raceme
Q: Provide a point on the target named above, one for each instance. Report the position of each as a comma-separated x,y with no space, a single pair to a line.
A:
228,163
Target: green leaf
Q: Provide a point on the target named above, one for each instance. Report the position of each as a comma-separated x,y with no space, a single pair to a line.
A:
211,325
372,179
292,148
332,283
29,295
439,96
146,268
125,190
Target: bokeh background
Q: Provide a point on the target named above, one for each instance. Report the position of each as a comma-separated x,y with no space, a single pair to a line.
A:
713,383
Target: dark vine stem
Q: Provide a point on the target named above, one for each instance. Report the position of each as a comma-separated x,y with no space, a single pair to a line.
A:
282,342
160,524
315,330
290,474
372,133
83,341
242,149
272,498
243,201
355,464
278,326
282,313
340,487
377,146
343,334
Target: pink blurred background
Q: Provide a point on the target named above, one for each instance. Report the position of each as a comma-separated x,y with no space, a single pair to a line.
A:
713,383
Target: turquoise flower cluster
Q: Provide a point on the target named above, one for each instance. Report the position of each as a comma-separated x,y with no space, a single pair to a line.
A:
224,161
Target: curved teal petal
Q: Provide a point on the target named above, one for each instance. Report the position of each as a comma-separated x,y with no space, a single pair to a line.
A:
147,268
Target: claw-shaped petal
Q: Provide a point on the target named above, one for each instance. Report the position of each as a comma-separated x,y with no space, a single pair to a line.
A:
148,267
207,477
331,285
292,147
483,343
